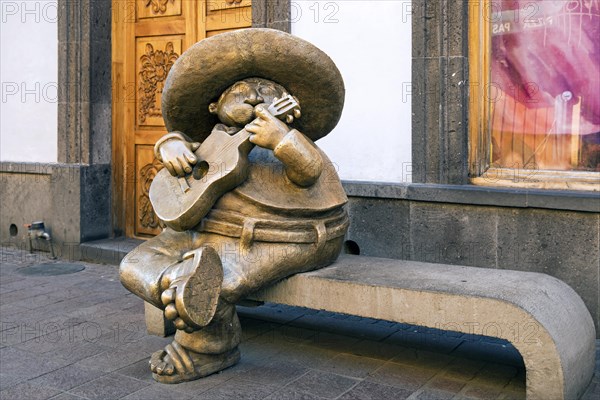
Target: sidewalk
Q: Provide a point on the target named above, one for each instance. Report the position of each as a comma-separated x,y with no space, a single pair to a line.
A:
82,335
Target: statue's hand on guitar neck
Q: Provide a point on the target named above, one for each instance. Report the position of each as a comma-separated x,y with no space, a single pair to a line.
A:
286,109
178,156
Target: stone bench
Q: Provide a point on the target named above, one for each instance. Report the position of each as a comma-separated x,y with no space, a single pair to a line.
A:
541,316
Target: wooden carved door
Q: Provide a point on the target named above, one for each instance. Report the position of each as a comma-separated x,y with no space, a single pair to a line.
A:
148,36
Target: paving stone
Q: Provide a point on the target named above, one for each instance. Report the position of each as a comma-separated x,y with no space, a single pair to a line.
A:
290,394
148,344
322,384
36,325
433,394
362,328
66,396
21,363
120,339
446,384
418,338
68,377
476,391
49,342
112,360
84,301
291,334
238,389
276,373
259,353
333,341
374,391
6,278
422,359
403,376
25,292
76,351
157,391
307,356
496,374
8,310
351,365
461,369
373,349
44,300
109,387
253,327
199,386
139,370
29,391
8,380
245,365
18,332
283,337
519,395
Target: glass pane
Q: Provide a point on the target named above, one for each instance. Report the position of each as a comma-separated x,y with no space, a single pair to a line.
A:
545,84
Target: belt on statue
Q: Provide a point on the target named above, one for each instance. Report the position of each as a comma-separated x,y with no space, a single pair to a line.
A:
248,229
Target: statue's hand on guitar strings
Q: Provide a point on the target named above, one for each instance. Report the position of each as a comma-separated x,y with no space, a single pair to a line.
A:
178,156
268,129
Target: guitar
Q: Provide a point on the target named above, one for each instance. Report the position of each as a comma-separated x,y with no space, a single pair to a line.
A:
182,202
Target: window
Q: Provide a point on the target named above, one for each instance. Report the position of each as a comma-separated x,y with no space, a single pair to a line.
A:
535,116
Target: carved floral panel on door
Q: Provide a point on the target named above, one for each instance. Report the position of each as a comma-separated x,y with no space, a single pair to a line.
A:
154,58
158,8
147,223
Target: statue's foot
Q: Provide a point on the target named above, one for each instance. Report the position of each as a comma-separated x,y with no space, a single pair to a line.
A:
177,364
191,301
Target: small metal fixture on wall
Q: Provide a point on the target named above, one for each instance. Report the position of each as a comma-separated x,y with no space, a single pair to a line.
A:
36,230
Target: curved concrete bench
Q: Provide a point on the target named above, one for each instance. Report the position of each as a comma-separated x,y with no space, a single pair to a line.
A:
541,316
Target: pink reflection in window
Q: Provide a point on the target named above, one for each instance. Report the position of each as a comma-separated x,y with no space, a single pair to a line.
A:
545,89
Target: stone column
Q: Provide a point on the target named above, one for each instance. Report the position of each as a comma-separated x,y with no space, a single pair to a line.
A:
440,91
273,14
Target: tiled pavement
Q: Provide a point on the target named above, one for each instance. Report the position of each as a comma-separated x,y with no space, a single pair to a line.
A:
82,335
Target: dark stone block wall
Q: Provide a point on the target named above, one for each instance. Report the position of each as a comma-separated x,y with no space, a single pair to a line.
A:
564,244
72,200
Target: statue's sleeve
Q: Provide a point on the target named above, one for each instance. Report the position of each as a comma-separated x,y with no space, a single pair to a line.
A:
301,158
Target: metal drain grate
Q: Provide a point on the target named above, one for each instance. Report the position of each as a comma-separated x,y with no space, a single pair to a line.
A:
50,269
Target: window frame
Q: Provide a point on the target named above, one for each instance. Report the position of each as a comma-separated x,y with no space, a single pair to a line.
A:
481,172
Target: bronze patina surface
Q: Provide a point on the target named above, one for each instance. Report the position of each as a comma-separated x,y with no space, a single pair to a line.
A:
209,67
246,195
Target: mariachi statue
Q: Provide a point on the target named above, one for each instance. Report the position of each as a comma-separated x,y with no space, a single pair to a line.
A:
246,196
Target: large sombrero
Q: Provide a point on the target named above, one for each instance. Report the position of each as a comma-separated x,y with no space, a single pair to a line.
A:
207,68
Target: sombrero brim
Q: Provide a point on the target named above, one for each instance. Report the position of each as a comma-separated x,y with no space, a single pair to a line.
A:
207,68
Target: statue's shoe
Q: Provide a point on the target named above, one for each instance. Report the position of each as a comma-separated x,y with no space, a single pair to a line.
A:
197,294
177,364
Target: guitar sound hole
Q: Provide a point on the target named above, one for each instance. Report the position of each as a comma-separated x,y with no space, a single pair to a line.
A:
200,170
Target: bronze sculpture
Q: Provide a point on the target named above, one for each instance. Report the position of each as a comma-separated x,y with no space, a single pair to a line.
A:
257,99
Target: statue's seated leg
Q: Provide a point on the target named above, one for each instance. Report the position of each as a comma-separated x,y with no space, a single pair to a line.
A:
192,289
143,269
202,352
199,351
